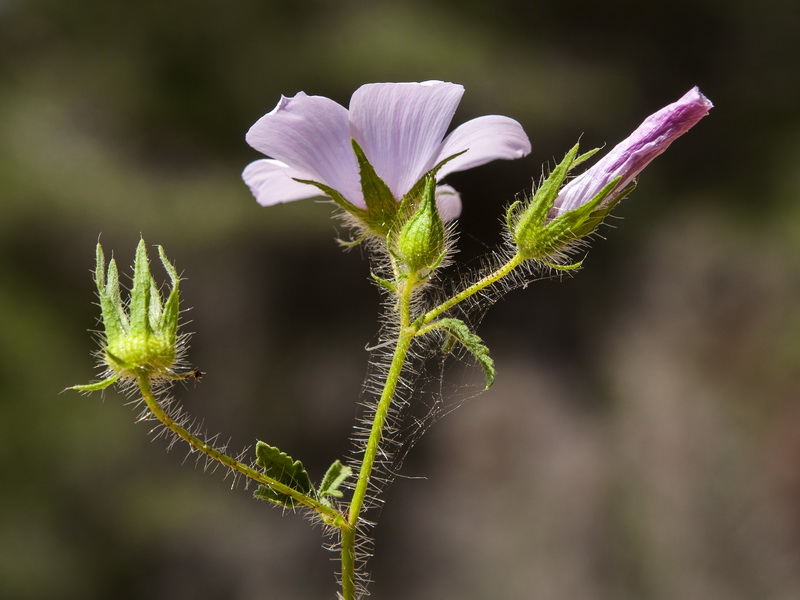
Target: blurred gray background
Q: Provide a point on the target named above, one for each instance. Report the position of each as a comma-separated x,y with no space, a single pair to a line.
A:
642,441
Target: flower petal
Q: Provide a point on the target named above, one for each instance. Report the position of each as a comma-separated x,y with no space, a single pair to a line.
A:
311,134
400,126
271,182
448,201
628,158
485,139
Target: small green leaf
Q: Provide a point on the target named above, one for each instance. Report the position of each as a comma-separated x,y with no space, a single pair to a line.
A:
334,478
472,342
281,467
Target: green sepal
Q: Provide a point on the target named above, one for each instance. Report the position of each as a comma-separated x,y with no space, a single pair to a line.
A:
337,197
459,331
578,222
413,196
115,321
169,318
283,469
155,309
584,157
98,385
352,243
524,223
332,481
558,267
596,217
537,235
511,214
384,283
139,309
381,205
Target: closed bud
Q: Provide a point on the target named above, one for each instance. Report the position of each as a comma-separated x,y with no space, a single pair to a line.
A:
545,227
420,245
140,338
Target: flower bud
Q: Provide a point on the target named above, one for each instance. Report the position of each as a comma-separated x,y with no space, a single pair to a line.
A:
556,217
140,339
420,244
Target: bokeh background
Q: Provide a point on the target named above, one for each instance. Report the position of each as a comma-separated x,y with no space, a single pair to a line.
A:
643,438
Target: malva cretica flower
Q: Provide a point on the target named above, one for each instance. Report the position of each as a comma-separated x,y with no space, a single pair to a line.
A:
400,127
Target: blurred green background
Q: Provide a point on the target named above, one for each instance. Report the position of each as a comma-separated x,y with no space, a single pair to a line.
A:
643,439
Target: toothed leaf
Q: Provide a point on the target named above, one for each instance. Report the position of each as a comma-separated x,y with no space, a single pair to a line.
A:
282,468
334,478
459,331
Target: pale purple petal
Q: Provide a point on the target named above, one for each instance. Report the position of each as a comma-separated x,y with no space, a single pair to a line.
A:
448,201
311,134
400,126
271,182
486,139
633,154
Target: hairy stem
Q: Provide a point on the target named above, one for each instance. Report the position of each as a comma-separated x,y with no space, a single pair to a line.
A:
407,332
476,287
332,516
405,336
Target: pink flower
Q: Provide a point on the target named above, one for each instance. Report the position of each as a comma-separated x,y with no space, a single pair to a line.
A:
400,127
630,156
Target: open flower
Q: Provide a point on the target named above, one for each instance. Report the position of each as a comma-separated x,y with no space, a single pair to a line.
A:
399,126
633,154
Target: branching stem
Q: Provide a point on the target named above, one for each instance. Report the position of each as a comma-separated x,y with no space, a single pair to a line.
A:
407,331
476,287
333,516
406,335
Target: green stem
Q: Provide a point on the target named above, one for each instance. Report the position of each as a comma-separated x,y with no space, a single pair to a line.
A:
476,287
407,332
334,517
405,336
